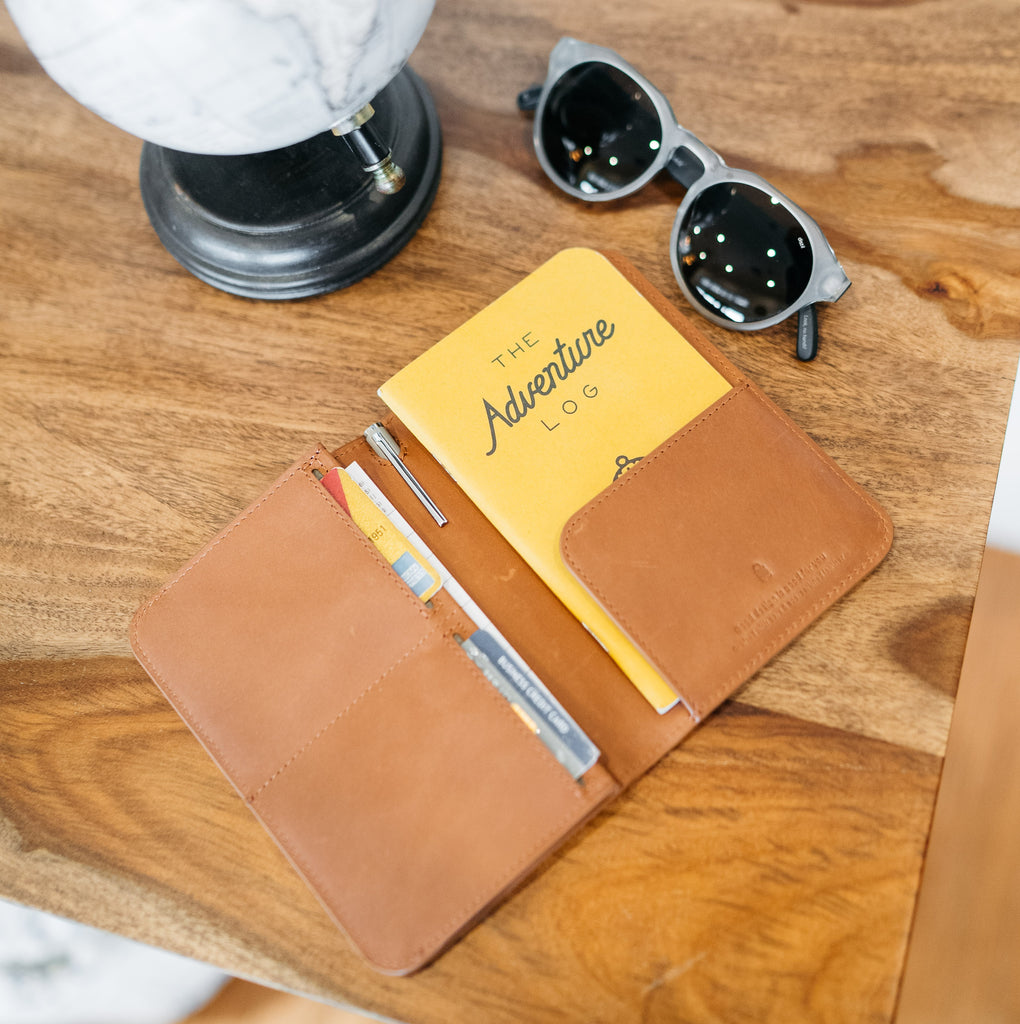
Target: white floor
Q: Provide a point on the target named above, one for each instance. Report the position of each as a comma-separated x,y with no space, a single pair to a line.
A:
54,971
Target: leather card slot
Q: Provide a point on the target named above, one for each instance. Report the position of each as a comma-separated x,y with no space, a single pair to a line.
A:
281,621
723,544
422,803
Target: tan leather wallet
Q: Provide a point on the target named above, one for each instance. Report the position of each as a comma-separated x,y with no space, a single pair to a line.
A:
403,788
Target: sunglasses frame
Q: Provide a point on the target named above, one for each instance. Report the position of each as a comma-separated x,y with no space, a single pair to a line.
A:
697,167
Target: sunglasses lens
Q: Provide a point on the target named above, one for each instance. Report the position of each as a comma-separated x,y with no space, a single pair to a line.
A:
742,253
600,130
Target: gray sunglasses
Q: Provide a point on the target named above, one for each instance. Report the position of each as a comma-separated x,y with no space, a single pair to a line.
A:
745,256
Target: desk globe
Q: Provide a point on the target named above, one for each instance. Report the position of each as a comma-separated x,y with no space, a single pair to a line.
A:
267,124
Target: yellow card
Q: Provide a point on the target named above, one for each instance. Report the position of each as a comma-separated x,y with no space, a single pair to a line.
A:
407,562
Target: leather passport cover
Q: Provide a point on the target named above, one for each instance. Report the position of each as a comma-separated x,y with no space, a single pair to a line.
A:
402,787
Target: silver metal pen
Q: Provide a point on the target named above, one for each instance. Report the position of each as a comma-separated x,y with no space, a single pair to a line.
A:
381,441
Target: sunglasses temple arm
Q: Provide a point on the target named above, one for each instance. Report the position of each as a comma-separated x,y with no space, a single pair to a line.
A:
807,333
527,99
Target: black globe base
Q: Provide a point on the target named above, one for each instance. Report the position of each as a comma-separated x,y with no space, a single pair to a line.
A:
298,221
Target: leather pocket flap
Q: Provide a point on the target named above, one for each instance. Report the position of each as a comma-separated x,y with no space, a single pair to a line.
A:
723,544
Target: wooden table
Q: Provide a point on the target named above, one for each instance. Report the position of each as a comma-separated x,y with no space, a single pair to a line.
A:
764,871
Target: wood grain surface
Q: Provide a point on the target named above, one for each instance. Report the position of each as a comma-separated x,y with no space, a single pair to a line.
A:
767,869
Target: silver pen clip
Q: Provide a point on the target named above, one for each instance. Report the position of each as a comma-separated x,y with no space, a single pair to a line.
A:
381,441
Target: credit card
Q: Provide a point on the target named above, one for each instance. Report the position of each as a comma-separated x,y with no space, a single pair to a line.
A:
529,696
408,563
538,708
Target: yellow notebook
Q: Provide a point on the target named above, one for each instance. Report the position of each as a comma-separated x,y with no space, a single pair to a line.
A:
539,401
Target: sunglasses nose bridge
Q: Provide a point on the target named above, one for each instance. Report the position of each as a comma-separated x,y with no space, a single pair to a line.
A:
684,140
690,159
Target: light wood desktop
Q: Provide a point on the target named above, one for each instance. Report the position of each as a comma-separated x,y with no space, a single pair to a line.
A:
766,870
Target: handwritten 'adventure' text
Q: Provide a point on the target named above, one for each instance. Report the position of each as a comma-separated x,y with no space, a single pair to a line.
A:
568,360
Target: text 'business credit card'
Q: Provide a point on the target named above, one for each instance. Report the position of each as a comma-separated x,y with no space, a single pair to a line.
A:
532,701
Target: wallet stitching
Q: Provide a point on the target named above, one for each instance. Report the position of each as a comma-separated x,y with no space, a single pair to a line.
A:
627,478
487,893
393,581
470,907
633,767
303,470
336,718
591,798
499,701
182,705
719,692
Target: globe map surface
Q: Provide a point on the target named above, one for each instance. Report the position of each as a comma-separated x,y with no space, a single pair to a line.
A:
222,76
